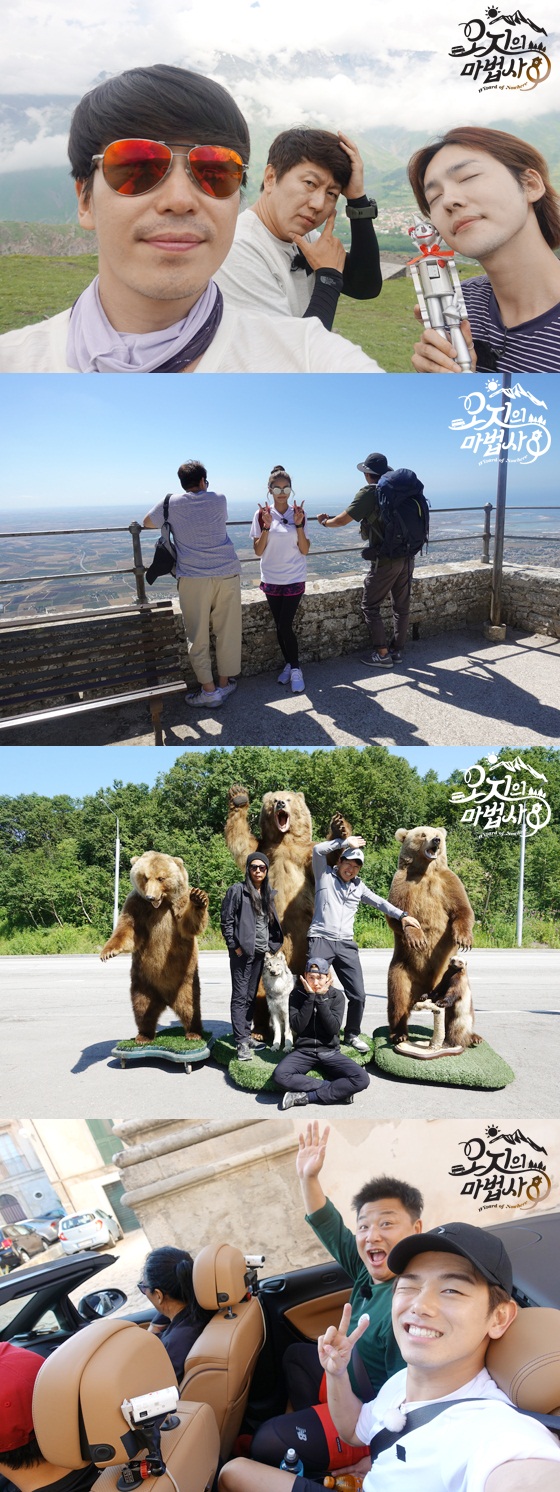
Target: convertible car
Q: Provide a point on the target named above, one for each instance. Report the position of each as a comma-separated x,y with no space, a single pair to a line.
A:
233,1367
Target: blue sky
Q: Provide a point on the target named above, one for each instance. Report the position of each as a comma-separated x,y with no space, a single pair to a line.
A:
79,770
111,440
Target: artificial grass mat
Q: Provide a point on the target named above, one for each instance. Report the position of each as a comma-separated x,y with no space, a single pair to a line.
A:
257,1076
171,1040
478,1067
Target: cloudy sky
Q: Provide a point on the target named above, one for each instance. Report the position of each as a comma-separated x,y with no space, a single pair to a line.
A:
397,68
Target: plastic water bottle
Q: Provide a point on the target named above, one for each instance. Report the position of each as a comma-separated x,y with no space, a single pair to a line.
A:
291,1462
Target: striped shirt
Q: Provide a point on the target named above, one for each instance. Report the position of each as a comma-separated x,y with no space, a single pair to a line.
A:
532,347
198,520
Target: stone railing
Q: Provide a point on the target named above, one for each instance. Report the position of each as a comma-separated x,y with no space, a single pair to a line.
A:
445,598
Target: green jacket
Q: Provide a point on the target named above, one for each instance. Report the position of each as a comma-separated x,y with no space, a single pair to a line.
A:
377,1347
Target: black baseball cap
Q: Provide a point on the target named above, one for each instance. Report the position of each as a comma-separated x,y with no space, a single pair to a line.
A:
481,1248
375,464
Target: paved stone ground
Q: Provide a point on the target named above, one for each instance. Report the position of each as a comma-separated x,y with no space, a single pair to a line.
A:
450,690
61,1016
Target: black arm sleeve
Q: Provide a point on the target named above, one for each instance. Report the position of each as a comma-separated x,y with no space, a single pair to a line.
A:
361,277
324,300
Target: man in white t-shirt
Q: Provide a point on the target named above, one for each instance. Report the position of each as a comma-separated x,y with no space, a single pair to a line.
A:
441,1424
159,155
279,263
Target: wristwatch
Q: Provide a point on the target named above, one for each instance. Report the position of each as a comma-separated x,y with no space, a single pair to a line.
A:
369,210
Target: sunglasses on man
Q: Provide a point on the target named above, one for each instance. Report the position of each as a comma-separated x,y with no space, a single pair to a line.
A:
134,167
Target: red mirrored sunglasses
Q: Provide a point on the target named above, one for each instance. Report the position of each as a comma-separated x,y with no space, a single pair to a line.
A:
133,167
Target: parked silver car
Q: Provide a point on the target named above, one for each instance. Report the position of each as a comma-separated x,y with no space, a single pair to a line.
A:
88,1230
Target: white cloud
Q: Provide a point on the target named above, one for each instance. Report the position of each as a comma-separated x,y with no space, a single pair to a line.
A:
45,150
402,73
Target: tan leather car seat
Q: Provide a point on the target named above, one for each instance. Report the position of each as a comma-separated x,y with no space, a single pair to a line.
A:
525,1363
78,1419
219,1367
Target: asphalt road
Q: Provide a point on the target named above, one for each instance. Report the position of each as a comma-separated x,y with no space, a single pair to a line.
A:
61,1016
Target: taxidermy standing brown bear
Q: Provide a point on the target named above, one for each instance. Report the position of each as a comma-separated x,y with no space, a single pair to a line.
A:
286,838
159,924
425,887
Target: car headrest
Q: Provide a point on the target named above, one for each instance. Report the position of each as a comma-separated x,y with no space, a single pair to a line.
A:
525,1362
219,1276
80,1388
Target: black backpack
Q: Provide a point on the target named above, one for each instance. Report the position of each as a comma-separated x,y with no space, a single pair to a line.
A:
400,526
165,553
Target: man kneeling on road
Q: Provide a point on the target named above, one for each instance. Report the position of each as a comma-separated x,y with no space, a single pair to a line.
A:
164,210
441,1424
316,1012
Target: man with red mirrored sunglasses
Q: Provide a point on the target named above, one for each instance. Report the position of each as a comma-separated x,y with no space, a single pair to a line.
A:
159,155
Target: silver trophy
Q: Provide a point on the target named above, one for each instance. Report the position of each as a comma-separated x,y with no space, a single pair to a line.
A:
438,289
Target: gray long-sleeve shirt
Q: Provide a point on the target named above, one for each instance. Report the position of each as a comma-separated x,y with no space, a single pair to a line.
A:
337,901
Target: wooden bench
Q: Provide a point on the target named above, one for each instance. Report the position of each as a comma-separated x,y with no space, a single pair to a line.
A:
49,669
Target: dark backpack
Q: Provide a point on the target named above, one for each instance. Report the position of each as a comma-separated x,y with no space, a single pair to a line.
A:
400,526
165,553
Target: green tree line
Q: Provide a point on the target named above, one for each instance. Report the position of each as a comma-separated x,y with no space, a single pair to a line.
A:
57,853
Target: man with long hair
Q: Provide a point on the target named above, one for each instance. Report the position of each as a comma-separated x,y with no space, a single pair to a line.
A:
490,197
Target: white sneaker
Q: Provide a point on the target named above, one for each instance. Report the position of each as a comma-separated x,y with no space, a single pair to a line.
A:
284,677
205,697
358,1044
227,689
297,681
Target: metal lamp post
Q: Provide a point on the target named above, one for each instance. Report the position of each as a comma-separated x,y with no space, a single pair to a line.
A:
495,629
117,868
519,922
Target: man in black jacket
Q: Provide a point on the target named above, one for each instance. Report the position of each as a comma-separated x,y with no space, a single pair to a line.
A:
316,1015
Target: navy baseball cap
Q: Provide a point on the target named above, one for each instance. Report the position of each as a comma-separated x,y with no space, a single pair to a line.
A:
375,464
320,965
481,1248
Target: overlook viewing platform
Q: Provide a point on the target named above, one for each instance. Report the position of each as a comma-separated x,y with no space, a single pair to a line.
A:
458,682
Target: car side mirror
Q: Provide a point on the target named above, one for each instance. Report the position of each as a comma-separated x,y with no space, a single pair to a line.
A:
101,1303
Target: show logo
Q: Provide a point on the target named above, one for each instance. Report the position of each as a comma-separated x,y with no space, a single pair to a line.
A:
502,421
503,52
503,1171
510,793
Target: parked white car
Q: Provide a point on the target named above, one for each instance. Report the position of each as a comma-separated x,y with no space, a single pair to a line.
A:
88,1230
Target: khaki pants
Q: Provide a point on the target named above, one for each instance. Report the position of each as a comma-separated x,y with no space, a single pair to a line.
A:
212,604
